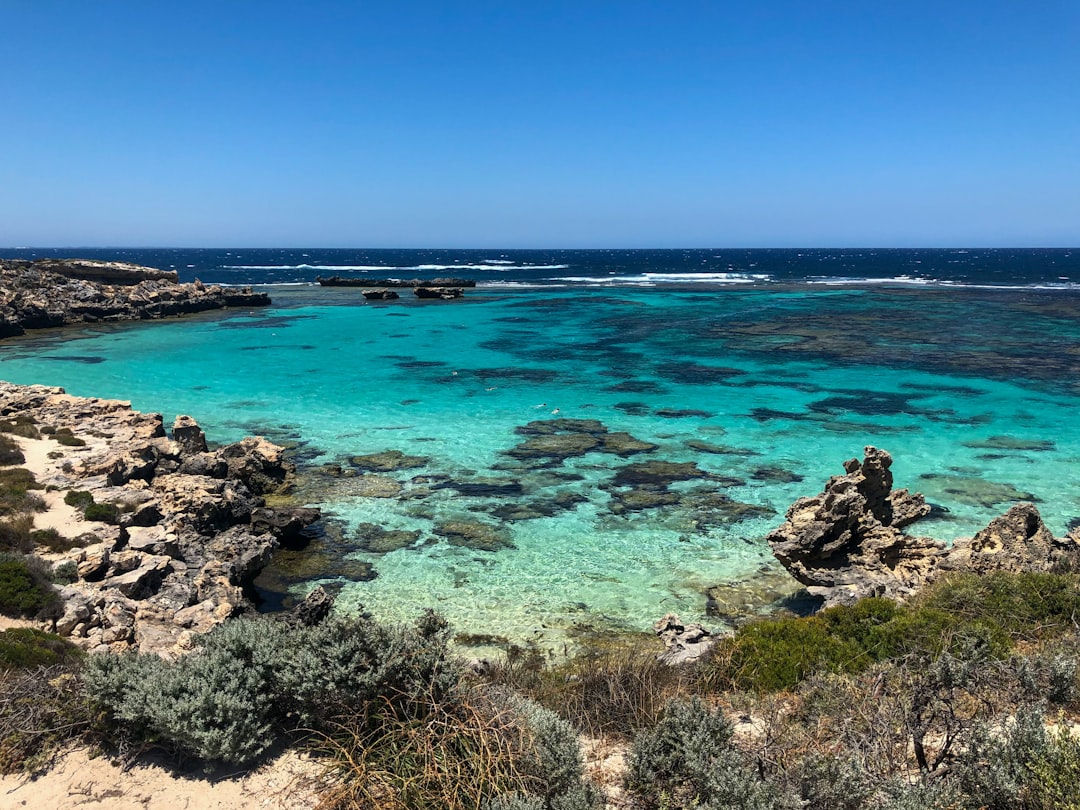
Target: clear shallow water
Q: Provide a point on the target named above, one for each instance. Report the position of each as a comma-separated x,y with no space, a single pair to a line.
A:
974,393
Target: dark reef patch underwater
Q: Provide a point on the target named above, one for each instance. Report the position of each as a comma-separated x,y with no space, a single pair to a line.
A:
543,459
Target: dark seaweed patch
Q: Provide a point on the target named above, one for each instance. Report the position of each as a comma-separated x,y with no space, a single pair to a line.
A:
689,373
88,359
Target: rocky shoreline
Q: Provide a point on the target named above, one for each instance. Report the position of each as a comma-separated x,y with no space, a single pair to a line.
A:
847,543
186,529
49,293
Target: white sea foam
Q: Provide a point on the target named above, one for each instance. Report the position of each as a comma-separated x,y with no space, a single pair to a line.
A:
840,281
651,279
387,268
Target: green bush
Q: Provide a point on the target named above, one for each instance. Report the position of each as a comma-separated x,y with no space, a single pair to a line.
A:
777,654
65,437
102,512
22,647
15,534
79,498
24,586
687,761
1026,606
15,494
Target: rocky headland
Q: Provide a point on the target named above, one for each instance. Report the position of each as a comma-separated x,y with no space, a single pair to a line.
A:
163,534
49,292
847,542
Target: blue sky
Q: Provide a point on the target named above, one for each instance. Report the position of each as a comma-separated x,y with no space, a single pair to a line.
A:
540,124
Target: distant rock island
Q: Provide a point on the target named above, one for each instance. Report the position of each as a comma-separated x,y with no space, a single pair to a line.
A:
58,292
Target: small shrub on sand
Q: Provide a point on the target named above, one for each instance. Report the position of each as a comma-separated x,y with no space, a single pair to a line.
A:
79,498
15,492
24,586
65,437
102,512
688,761
15,534
22,647
22,425
10,452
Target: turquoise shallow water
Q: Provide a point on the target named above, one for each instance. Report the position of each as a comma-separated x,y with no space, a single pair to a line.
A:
974,393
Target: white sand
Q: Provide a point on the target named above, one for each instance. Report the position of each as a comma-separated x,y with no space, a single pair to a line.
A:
284,783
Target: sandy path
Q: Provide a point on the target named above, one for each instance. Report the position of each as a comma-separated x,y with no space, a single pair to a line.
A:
283,783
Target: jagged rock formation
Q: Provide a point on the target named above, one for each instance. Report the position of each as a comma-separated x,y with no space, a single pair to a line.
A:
846,543
193,527
49,292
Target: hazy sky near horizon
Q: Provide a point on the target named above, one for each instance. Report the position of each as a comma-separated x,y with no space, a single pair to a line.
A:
543,124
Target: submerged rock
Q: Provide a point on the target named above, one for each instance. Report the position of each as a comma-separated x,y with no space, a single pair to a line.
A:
659,473
388,461
475,535
378,540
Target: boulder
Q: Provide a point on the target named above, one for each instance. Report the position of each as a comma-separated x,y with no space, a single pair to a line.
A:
684,642
1016,541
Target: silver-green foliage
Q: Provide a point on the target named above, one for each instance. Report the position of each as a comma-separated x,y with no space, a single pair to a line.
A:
552,760
688,761
251,680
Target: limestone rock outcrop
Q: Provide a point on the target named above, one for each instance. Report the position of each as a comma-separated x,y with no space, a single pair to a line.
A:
846,543
49,292
193,528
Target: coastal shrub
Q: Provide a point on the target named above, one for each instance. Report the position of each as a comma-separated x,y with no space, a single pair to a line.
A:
22,425
15,534
24,586
102,512
612,691
42,708
22,647
836,782
65,573
776,654
477,747
10,452
251,680
688,761
1027,606
65,437
212,705
15,492
79,498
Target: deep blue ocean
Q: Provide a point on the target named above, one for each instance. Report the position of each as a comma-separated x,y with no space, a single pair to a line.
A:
1044,267
521,501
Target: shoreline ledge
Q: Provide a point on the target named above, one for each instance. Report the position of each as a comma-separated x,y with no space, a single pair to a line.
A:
190,527
47,293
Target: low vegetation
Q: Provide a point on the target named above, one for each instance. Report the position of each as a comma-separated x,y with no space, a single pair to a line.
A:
958,701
